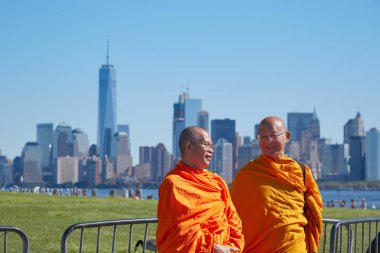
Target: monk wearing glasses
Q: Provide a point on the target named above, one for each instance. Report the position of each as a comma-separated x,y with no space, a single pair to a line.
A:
195,212
277,198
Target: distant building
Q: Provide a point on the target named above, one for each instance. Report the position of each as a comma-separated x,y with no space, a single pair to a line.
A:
248,152
123,128
223,160
162,163
357,150
106,107
79,143
121,152
225,129
142,171
373,154
45,141
92,171
66,170
6,172
353,127
61,139
335,166
203,120
159,159
31,164
147,155
299,122
186,112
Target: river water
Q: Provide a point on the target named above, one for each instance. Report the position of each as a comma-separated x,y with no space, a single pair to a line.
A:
371,197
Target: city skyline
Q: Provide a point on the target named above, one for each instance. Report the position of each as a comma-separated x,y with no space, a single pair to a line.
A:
244,60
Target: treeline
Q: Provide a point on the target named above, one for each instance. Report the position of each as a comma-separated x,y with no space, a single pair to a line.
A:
354,185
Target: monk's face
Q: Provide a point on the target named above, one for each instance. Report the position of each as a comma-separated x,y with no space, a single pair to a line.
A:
273,137
200,150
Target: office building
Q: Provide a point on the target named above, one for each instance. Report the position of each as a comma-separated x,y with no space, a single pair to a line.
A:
186,112
335,166
121,152
66,170
353,127
79,143
6,172
203,120
106,107
226,129
45,141
31,164
300,122
223,160
373,154
61,140
357,151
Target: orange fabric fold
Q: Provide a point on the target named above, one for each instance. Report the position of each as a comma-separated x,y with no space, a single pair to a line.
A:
269,196
195,211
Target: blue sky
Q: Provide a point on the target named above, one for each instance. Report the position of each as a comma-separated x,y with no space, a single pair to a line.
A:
244,59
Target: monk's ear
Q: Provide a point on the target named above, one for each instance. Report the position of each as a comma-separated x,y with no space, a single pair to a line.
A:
288,134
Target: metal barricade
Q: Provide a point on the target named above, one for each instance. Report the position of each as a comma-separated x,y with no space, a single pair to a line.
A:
101,224
19,232
355,235
324,244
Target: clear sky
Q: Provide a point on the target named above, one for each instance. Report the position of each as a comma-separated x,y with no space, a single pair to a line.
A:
244,59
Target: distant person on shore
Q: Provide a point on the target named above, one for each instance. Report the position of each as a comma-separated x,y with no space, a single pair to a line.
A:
195,212
353,204
277,198
364,204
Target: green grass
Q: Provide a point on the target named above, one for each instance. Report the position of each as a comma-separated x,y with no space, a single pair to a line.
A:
44,219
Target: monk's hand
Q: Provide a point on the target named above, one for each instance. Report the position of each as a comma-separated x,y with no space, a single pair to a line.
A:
224,249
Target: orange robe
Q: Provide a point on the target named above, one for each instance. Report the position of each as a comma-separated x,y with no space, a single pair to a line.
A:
269,196
195,211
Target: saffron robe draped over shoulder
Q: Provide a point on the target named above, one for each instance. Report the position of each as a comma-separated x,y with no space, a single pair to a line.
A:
195,211
270,196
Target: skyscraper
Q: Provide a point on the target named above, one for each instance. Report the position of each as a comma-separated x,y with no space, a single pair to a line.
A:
185,113
61,140
373,154
299,122
106,107
353,127
225,128
223,159
45,141
31,163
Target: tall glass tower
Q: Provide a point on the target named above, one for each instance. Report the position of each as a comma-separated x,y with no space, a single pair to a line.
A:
106,107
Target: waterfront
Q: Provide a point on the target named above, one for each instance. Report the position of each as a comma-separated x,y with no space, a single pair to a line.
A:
372,197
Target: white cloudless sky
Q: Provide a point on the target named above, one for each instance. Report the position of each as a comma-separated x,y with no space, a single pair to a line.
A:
244,59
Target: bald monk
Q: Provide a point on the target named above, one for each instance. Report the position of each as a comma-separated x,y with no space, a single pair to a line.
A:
280,208
195,212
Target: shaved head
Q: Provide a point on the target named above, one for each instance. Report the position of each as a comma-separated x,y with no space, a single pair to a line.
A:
274,122
191,133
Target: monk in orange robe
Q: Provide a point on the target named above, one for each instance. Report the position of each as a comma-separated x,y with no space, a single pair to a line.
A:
195,212
279,205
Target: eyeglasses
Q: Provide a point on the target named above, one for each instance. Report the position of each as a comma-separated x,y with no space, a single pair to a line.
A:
204,144
270,137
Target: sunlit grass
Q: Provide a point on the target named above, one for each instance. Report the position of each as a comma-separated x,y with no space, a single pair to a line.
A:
45,218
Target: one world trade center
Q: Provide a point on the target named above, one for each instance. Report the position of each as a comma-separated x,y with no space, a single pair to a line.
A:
106,107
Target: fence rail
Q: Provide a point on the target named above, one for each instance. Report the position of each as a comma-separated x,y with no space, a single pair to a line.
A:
11,229
351,236
100,224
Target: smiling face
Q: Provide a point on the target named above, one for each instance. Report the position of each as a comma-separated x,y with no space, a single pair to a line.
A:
273,137
198,150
